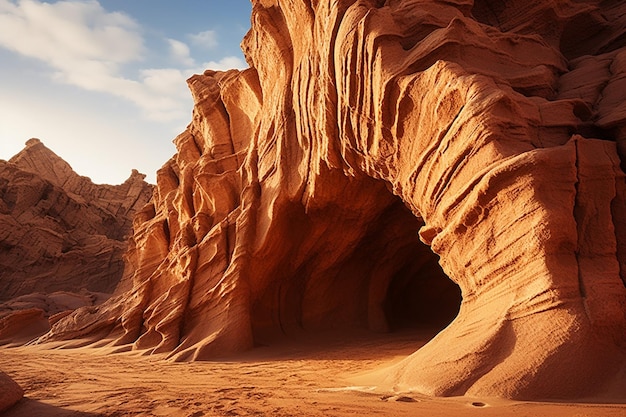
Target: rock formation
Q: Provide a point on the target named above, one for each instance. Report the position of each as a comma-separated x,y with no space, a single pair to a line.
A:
27,317
377,154
58,230
62,239
10,392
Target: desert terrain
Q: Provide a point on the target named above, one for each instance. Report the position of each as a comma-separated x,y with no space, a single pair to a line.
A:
326,375
381,168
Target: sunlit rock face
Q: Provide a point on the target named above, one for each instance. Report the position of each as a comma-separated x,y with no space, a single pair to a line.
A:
58,230
377,157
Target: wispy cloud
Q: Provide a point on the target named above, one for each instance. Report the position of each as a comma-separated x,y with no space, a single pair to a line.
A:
206,39
68,31
180,52
223,64
91,48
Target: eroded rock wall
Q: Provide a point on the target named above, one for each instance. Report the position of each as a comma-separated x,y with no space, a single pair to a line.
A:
62,240
302,184
58,230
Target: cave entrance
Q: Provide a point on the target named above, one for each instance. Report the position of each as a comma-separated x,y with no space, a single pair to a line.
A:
420,295
415,292
368,271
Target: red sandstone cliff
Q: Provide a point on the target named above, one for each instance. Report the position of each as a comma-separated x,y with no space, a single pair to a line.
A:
58,232
371,141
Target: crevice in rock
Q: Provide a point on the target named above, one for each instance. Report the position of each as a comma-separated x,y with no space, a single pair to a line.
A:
578,215
488,12
583,34
166,232
593,131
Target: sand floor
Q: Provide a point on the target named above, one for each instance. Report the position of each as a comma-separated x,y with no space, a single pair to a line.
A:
307,377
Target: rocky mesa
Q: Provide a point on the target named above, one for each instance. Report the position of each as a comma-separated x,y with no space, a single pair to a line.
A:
385,164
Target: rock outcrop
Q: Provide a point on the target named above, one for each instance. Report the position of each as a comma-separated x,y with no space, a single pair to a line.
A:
62,239
10,392
58,230
377,154
27,317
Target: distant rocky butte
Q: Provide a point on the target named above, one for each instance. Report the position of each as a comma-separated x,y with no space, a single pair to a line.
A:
62,238
316,189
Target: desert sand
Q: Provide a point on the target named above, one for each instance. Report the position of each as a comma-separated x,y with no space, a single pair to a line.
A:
308,376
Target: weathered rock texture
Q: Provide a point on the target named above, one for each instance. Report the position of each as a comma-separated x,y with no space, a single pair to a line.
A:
10,392
62,240
27,317
58,230
487,129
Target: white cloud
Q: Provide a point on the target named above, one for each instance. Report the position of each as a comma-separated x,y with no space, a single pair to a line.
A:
206,39
225,63
88,47
67,31
164,80
179,52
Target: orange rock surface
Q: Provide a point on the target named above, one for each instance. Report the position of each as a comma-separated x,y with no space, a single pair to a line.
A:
62,239
27,317
58,230
10,392
391,163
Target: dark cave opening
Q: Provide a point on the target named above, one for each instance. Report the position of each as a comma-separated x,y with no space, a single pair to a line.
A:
390,281
419,294
367,272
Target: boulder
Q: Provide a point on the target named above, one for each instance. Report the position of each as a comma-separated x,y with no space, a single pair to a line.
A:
10,392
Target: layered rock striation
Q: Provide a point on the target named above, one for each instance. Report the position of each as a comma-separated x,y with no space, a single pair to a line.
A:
58,230
25,318
62,240
386,163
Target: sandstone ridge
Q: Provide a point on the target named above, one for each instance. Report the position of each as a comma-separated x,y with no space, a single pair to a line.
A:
62,238
59,229
386,163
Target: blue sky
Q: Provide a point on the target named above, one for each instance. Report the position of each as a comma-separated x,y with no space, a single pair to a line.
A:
102,83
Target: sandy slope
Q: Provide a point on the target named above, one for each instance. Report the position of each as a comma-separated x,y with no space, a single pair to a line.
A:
306,377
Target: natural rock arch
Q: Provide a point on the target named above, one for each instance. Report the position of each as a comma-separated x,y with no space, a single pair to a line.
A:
479,125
